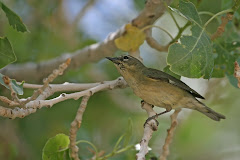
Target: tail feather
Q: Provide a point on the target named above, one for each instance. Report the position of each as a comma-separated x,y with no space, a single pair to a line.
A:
210,113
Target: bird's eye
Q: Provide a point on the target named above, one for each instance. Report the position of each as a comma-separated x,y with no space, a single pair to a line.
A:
125,58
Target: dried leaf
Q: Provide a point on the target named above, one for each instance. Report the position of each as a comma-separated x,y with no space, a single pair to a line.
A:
131,39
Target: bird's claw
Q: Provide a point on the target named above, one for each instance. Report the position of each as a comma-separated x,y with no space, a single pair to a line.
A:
150,118
155,116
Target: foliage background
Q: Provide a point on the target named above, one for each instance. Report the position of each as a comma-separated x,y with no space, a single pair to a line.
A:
54,31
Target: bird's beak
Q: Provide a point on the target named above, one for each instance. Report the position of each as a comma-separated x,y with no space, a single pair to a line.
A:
113,59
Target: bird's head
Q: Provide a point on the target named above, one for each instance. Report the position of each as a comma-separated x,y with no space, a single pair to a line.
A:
126,63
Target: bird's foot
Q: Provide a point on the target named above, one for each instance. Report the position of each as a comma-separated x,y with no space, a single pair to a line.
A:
156,116
150,118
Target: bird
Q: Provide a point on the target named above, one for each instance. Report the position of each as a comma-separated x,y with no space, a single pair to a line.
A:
159,88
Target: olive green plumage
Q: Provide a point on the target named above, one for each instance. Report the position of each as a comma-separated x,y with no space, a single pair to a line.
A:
159,88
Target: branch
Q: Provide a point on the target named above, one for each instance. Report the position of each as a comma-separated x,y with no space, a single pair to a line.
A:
221,28
8,101
37,100
237,72
150,127
32,71
32,106
49,79
169,137
6,80
75,125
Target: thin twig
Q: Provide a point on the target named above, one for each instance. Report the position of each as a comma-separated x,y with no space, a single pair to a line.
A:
49,79
221,28
237,72
32,106
150,127
9,102
7,80
75,125
170,134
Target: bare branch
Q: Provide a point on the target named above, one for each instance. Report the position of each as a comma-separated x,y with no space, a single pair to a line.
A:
8,101
6,80
49,79
32,106
150,127
65,86
170,134
38,92
221,28
152,11
75,125
32,71
237,72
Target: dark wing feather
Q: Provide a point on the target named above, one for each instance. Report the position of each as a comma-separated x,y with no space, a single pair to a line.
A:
159,75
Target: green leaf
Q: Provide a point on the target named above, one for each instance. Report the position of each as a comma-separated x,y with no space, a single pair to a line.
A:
168,71
192,57
16,87
226,52
53,145
225,4
67,155
224,58
7,54
14,20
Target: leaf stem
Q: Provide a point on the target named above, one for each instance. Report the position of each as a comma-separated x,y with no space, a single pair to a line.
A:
171,14
116,152
92,145
82,141
206,12
210,14
217,14
180,32
151,26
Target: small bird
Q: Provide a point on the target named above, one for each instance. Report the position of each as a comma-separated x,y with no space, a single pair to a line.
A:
159,88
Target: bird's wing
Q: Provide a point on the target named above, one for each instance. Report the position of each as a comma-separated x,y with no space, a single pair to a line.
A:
159,75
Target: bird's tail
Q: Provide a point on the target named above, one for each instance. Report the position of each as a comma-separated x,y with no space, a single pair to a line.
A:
209,112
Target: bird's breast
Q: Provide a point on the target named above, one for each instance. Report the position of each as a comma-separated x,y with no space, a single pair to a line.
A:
157,93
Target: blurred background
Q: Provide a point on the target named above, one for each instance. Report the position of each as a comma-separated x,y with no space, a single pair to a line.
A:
60,26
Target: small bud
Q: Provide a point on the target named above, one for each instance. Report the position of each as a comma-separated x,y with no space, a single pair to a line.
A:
6,80
68,61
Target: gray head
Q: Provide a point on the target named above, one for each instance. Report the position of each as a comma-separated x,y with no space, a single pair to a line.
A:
126,63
